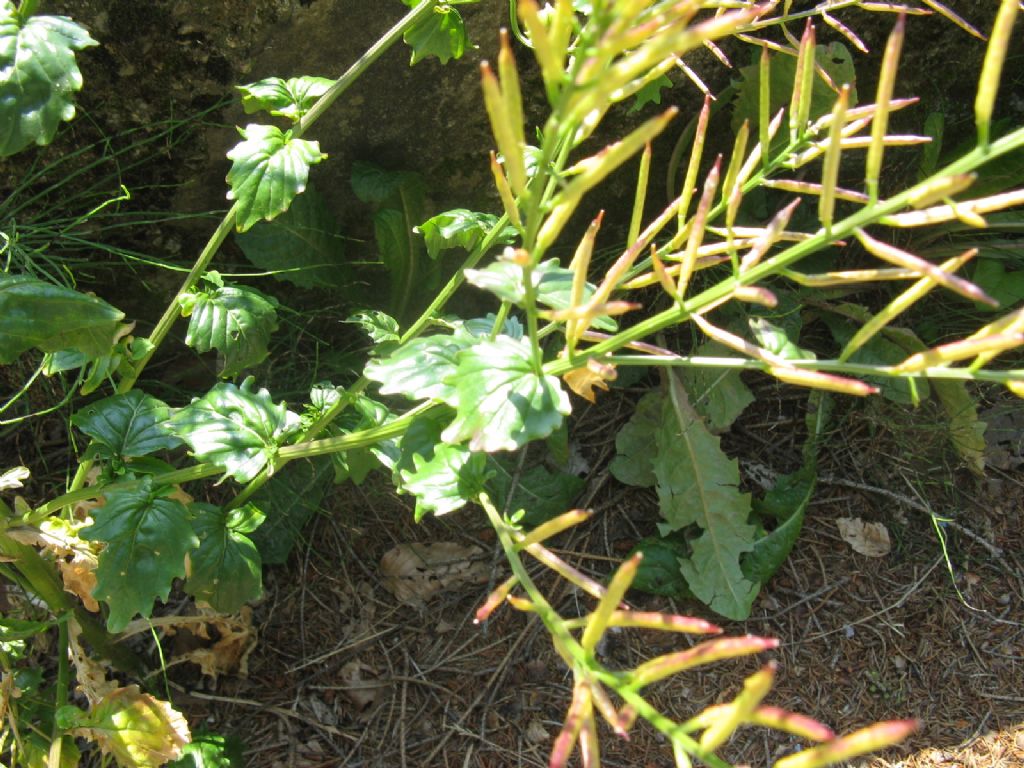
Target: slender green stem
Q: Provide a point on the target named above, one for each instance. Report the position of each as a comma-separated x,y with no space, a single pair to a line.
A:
60,692
172,312
27,8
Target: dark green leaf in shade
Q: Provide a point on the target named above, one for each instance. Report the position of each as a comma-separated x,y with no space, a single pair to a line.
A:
379,326
785,503
446,481
289,98
699,485
269,168
379,186
400,253
20,629
147,537
235,320
38,76
303,246
502,403
226,569
126,425
441,34
52,318
363,413
553,283
289,501
719,394
1006,287
542,494
237,427
635,449
420,368
650,93
659,572
460,228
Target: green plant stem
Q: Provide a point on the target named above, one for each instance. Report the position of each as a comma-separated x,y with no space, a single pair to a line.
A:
60,692
836,366
27,8
42,581
845,228
226,225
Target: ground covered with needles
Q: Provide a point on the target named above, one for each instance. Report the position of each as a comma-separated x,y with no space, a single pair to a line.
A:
348,667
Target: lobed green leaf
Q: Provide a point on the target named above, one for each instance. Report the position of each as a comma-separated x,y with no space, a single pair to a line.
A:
127,425
226,569
289,98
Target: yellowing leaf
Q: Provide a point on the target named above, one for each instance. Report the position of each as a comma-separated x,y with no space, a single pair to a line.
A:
582,380
140,731
868,539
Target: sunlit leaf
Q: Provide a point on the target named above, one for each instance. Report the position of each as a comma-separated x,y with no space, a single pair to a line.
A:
289,98
235,320
441,34
38,76
379,326
126,425
719,394
446,481
138,729
237,427
420,369
269,168
503,403
460,228
147,536
650,93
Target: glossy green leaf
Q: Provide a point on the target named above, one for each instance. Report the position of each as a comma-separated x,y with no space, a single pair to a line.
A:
235,320
553,283
699,485
239,428
52,318
718,394
540,493
446,481
379,326
635,449
269,168
126,425
38,76
226,568
289,98
211,750
363,413
650,93
659,572
303,246
502,403
420,368
441,34
289,501
460,228
147,537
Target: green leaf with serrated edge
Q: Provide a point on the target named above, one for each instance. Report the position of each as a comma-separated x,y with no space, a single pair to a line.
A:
446,481
650,93
38,76
552,281
659,572
269,168
420,439
441,34
226,571
540,493
289,98
147,537
126,425
235,320
502,404
698,485
237,427
460,228
303,246
834,59
373,184
289,501
420,368
52,318
635,449
136,728
787,502
718,394
379,326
